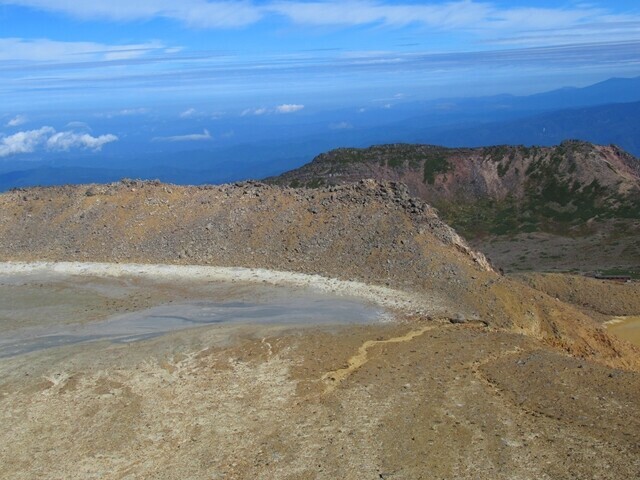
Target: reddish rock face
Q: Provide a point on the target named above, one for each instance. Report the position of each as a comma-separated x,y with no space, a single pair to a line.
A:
452,173
534,188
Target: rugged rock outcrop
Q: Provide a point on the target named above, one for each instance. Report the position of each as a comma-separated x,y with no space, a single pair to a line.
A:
498,190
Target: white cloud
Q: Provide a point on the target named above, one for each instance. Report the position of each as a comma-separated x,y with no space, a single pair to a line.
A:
65,141
17,121
254,111
194,137
79,126
285,108
189,113
194,113
47,138
126,112
289,108
340,126
24,142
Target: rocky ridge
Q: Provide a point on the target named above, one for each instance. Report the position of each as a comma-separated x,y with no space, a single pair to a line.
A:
495,190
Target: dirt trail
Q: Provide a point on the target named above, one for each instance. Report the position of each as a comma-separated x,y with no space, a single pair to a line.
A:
334,378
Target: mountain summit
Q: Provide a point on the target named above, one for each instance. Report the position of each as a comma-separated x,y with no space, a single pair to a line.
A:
495,190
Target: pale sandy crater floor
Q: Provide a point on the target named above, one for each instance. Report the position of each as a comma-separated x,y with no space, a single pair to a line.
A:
407,399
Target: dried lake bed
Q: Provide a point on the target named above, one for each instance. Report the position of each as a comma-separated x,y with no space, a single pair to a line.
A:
49,307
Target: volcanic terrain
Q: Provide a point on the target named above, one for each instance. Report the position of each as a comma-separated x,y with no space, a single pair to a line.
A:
479,375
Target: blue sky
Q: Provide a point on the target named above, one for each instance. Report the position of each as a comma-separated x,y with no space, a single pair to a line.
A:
242,58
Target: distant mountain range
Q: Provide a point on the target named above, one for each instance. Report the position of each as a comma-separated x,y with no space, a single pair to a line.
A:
604,113
613,90
617,124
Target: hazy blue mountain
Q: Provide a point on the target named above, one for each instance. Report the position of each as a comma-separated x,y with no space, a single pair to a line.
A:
613,90
617,124
244,147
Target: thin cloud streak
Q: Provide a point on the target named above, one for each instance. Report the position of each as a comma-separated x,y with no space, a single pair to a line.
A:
254,111
282,109
125,112
46,50
360,62
194,13
194,137
340,126
356,12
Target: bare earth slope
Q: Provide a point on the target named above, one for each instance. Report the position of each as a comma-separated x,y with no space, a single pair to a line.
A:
601,299
523,386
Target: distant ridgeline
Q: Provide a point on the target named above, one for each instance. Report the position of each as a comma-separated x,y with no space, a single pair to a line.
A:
496,190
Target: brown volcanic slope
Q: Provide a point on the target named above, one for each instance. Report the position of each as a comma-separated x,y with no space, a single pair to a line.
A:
419,398
372,232
576,190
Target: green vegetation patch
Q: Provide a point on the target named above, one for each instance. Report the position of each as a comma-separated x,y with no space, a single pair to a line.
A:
633,273
315,183
487,217
395,162
434,165
396,156
348,155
